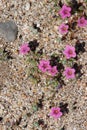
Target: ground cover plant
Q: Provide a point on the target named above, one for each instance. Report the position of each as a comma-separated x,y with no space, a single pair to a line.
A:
53,68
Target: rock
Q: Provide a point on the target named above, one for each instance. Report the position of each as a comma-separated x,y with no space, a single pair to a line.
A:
8,30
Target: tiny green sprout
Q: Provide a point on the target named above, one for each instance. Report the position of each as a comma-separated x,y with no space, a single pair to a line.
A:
52,82
55,83
71,61
56,7
81,8
56,55
63,61
58,39
36,124
67,1
33,62
35,108
33,79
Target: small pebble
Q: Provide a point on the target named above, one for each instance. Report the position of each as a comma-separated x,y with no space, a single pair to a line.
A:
27,7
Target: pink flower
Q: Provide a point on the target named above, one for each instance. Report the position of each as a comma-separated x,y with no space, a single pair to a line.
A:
69,52
82,22
53,70
63,28
24,49
44,65
55,112
69,73
65,11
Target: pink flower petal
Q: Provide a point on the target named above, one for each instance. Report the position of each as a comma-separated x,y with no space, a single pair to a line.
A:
69,52
82,22
44,65
55,112
24,49
65,11
53,70
69,73
63,28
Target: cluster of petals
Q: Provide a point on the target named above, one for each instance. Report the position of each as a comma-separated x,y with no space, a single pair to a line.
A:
53,70
63,28
82,22
24,49
44,66
65,11
69,52
56,112
69,73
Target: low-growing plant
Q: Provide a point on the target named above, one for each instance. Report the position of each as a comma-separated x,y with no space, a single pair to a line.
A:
57,67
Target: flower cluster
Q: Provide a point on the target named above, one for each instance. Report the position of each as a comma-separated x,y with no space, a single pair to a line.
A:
66,12
44,66
52,67
69,52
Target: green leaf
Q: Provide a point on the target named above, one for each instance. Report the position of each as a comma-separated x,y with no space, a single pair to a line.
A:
36,124
63,61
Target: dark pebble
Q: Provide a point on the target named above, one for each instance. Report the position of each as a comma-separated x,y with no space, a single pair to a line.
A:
1,118
75,6
60,3
37,28
74,107
33,45
63,107
41,122
80,47
20,36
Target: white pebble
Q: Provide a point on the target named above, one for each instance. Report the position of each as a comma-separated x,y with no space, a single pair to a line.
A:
27,6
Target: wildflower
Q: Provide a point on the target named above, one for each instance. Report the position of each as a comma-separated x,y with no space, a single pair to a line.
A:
24,49
69,52
44,65
53,70
65,11
63,28
55,112
69,73
82,22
